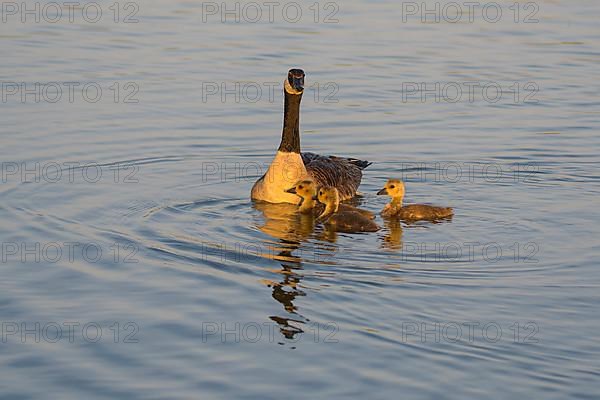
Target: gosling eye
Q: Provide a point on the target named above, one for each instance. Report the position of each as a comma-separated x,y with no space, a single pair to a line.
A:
392,186
300,187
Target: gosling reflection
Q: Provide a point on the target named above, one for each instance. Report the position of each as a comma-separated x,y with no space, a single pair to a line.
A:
291,229
392,240
281,221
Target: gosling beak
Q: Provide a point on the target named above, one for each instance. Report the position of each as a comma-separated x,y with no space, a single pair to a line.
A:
315,197
292,191
296,79
382,191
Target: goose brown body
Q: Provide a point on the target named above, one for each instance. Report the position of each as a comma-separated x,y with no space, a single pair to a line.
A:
342,173
413,212
291,165
350,221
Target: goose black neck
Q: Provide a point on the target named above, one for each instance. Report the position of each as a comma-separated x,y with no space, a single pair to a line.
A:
290,138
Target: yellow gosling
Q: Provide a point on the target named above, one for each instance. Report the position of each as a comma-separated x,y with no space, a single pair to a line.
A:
307,191
413,212
333,216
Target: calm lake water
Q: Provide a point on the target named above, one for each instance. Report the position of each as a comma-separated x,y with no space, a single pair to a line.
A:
134,264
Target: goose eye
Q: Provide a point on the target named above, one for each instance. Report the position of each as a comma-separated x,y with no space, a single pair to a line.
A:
392,186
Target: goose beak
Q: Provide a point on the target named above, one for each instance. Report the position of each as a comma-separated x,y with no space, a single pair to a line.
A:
296,79
292,191
382,191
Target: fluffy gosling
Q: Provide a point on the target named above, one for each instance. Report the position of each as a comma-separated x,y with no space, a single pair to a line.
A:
307,191
413,212
340,220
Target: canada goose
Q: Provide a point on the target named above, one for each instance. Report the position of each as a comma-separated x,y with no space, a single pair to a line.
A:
413,212
307,191
342,221
290,165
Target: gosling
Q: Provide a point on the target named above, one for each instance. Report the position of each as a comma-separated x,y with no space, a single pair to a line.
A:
307,191
333,216
413,212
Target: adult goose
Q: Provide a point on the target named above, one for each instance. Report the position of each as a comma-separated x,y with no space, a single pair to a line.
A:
290,165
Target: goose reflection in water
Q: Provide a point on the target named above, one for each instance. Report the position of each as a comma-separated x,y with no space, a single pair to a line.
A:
291,229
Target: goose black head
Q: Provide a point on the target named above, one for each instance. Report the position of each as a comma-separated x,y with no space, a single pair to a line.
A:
295,81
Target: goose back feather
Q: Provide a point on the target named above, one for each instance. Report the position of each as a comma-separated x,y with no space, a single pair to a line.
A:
342,173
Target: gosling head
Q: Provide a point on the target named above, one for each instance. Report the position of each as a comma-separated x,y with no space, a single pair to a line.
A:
393,188
295,81
306,189
329,196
